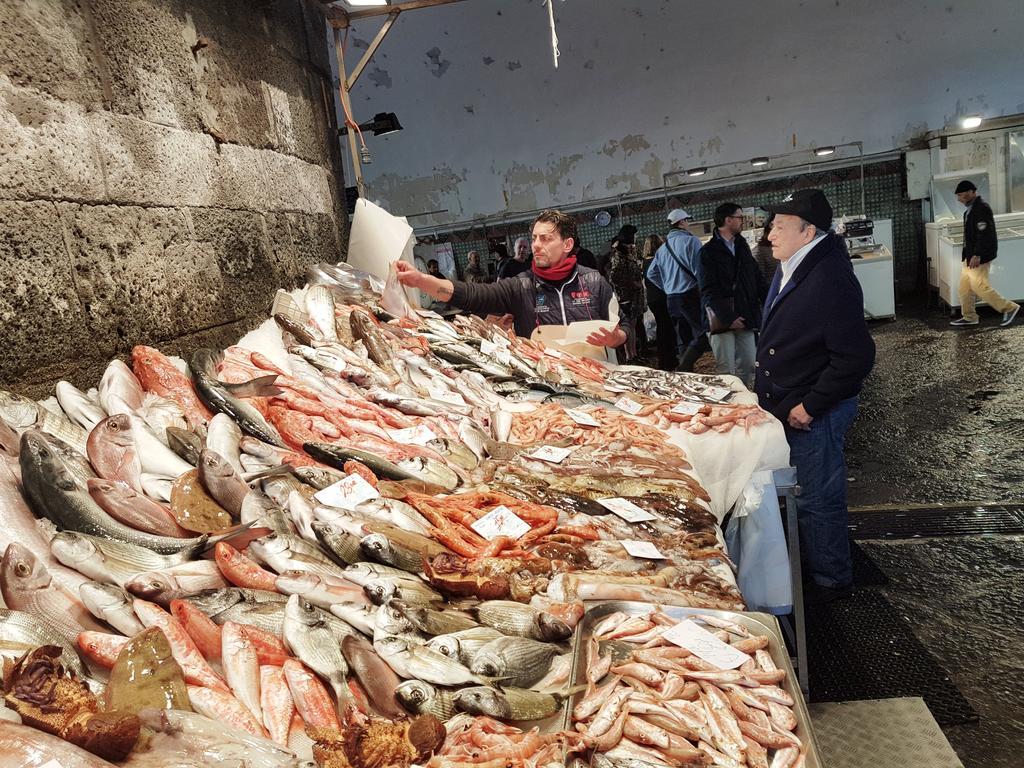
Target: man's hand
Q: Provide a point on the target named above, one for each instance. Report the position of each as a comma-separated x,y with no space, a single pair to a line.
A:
435,287
737,324
615,337
974,262
799,418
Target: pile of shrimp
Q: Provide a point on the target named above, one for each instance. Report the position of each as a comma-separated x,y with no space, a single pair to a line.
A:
721,417
482,742
452,517
549,423
666,705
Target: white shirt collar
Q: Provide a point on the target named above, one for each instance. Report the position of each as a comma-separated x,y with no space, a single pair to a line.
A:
789,265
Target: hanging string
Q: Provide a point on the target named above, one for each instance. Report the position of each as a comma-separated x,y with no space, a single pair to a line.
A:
554,35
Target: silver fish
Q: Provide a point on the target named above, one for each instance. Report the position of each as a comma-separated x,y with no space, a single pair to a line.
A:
318,477
112,605
359,615
221,481
285,552
454,452
20,414
397,513
414,468
217,601
344,547
157,459
515,661
319,591
516,704
177,582
119,390
521,620
380,549
320,306
226,398
383,589
29,629
52,493
425,699
433,622
307,634
109,560
421,663
465,644
78,406
224,438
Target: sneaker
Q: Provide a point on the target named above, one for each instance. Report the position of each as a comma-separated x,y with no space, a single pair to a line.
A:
1009,316
963,321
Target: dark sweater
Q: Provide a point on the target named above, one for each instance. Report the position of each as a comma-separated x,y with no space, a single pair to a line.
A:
814,346
725,276
980,232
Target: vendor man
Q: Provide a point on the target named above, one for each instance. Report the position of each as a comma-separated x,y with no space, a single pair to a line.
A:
555,291
813,353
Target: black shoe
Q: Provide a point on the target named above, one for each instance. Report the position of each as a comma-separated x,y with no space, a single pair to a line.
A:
816,594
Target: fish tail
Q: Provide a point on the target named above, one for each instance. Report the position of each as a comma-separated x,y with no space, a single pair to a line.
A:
261,386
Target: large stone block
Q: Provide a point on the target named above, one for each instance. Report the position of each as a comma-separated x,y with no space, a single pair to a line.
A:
147,47
46,45
240,180
296,185
153,164
44,329
316,237
141,275
46,149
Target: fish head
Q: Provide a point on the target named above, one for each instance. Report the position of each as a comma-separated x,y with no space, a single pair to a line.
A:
18,411
256,447
446,645
380,591
21,571
552,629
479,699
154,586
214,601
488,664
302,611
439,444
391,619
213,465
375,546
389,645
116,429
412,694
268,546
70,547
98,487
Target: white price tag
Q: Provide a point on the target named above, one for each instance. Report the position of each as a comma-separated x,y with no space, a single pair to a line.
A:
705,645
488,347
642,549
628,405
347,493
717,393
428,313
501,341
447,396
687,408
551,453
582,418
552,352
627,510
501,521
420,435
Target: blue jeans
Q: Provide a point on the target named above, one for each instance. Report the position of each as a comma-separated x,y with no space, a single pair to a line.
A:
821,505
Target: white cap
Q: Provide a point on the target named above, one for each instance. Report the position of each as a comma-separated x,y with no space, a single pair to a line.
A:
678,214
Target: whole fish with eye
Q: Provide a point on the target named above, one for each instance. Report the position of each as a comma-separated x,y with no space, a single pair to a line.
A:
111,604
109,560
422,698
393,511
226,398
515,661
377,678
26,586
52,492
134,510
430,621
364,328
146,675
413,468
464,644
521,620
516,704
159,375
321,592
284,552
454,452
400,548
180,581
222,482
418,662
21,414
340,545
308,635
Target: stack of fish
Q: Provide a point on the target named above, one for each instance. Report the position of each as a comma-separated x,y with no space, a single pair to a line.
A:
360,484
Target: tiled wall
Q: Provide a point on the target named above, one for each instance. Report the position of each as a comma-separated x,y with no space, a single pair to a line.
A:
883,191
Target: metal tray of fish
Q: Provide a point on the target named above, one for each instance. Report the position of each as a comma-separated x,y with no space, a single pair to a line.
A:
758,623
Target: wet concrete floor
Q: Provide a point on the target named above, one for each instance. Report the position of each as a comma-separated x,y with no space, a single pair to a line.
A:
942,422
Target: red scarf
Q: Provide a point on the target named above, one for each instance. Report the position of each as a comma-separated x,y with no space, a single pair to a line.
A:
555,274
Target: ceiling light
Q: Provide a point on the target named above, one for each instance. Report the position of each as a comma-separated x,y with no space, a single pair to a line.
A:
696,171
970,121
358,3
382,124
822,151
759,161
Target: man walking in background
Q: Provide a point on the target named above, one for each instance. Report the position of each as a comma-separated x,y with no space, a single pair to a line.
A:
980,246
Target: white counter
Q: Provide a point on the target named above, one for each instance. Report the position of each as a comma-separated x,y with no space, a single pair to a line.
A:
874,271
945,243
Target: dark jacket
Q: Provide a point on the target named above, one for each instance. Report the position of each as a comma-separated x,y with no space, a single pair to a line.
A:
584,295
980,232
814,346
510,267
721,271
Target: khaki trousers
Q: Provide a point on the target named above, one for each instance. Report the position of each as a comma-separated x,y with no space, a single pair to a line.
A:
974,282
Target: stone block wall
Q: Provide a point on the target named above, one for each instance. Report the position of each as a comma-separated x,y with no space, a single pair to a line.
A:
165,166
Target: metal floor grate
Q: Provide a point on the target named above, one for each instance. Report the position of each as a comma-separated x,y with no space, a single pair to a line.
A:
948,521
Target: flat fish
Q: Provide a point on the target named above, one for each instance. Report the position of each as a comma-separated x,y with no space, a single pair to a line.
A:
146,675
194,509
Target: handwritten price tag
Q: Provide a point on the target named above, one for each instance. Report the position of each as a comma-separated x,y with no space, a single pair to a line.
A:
717,393
347,493
501,341
412,435
628,405
642,549
687,408
627,510
705,645
582,418
551,453
501,521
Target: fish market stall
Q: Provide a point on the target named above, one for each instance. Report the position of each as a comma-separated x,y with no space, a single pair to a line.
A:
367,536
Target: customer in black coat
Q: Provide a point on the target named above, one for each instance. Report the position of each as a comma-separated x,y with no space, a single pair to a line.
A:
732,290
813,354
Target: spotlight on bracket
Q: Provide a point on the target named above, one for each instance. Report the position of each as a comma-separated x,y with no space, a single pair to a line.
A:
823,151
696,171
970,121
382,124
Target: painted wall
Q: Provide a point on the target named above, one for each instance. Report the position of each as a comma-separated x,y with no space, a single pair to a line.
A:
648,86
165,166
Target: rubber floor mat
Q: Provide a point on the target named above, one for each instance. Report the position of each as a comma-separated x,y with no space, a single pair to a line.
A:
865,572
861,648
948,521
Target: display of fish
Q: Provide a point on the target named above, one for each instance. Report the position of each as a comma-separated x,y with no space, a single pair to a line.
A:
413,468
228,398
